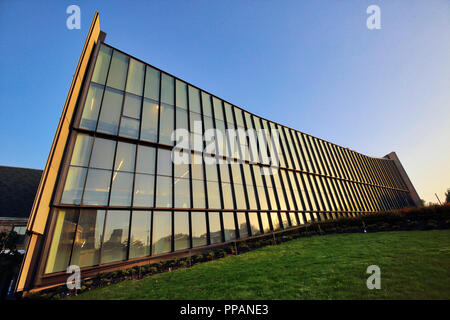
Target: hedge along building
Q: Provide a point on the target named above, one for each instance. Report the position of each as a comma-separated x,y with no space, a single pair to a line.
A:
111,196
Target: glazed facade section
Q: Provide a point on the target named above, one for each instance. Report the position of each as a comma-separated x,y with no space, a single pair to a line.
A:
121,197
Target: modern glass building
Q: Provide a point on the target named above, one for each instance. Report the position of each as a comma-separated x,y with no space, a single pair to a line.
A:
112,194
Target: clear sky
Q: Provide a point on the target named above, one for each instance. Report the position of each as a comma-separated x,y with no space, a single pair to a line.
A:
311,65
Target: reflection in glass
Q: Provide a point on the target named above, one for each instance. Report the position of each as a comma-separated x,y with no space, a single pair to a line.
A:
110,113
86,249
122,185
115,241
143,190
97,187
118,71
149,128
140,234
102,65
254,223
132,106
125,157
275,221
182,195
242,225
215,234
103,154
198,194
229,227
151,83
167,89
163,191
65,221
81,150
198,221
135,81
166,124
181,94
91,107
194,100
73,187
265,221
145,159
181,233
164,162
129,127
162,232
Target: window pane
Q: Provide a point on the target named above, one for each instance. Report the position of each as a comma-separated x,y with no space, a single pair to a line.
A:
166,124
146,159
97,187
140,234
240,196
198,194
102,65
265,221
198,221
242,225
163,191
206,101
110,113
143,190
218,111
86,250
135,81
167,89
81,150
61,245
132,106
162,232
213,194
229,226
275,221
152,83
194,99
293,219
103,154
164,162
181,94
73,187
91,107
149,129
122,185
254,223
118,71
125,157
181,119
181,233
227,196
129,128
115,242
182,195
214,227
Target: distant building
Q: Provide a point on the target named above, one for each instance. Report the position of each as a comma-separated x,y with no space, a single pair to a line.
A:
18,188
112,197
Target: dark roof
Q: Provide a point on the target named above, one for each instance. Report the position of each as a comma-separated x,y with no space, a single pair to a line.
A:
18,187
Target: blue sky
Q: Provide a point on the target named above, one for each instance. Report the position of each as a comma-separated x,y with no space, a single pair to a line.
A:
310,65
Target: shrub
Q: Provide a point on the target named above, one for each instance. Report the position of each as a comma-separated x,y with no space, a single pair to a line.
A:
199,258
221,253
210,255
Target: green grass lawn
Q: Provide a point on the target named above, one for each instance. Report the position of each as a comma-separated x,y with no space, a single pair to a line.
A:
414,265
